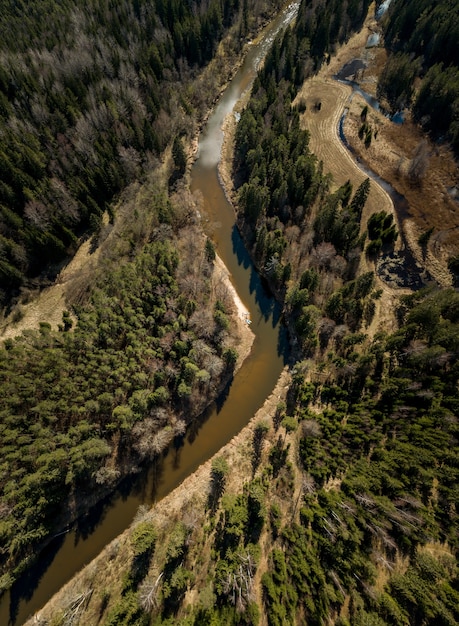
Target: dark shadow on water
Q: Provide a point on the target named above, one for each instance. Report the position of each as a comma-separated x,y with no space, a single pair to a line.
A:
155,476
220,401
177,447
257,286
268,306
27,584
275,309
195,426
85,526
82,529
283,345
135,486
239,249
266,302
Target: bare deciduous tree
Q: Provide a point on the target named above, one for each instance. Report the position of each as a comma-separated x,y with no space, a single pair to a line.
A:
325,328
149,441
311,429
420,161
37,214
76,607
148,592
323,254
238,585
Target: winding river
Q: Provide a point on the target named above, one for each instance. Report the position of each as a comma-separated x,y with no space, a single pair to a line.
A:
72,550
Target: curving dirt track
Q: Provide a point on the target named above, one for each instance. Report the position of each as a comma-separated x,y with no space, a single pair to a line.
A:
429,202
325,143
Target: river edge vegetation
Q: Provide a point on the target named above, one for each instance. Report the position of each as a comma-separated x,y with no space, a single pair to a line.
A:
350,514
91,94
147,343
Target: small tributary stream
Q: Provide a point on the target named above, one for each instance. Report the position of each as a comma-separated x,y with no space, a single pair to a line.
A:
400,269
253,383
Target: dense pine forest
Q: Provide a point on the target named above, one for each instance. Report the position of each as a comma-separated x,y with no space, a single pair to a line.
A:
298,231
348,511
91,93
376,439
422,37
82,408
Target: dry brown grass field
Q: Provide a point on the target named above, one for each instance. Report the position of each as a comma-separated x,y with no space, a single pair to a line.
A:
430,204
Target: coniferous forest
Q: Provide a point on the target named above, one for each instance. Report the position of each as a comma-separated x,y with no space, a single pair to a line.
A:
91,93
422,38
91,96
348,514
374,425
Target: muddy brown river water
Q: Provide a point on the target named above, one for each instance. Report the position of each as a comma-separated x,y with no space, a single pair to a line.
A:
253,383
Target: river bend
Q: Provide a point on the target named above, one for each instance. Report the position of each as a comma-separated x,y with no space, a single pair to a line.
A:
253,383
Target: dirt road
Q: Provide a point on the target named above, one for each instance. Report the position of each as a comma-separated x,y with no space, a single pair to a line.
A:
325,143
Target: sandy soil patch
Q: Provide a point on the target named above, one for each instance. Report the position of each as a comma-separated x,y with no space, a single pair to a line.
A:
223,273
243,338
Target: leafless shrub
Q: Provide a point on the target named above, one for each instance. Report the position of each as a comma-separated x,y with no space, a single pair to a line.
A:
238,585
130,160
380,558
346,506
322,255
201,353
325,328
337,582
311,429
179,428
192,519
292,234
416,346
420,162
149,441
67,204
141,514
365,500
113,549
37,214
340,332
408,500
107,476
308,484
203,323
338,265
